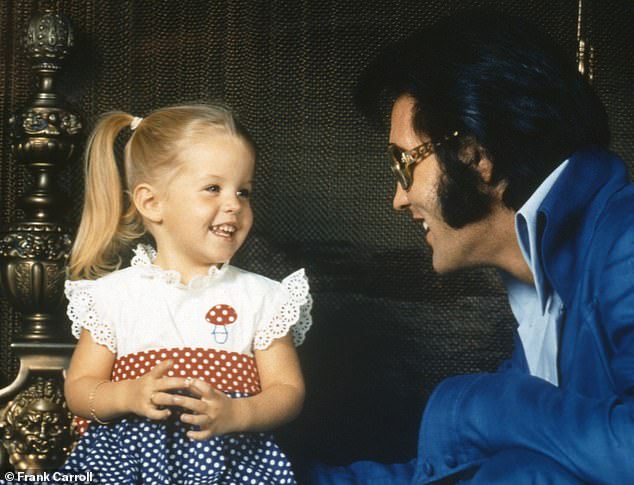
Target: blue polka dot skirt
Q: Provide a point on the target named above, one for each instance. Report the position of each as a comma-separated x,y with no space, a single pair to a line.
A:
136,450
139,451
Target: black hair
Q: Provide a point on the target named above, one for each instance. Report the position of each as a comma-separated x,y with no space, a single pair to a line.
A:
509,91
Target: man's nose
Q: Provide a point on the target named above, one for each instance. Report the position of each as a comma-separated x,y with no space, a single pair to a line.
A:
400,201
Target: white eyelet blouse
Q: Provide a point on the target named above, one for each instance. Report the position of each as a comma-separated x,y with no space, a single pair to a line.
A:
143,308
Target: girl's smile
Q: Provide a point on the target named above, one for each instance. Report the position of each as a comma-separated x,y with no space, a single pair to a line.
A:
224,230
204,214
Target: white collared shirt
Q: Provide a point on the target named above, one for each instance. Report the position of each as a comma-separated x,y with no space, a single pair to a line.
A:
537,308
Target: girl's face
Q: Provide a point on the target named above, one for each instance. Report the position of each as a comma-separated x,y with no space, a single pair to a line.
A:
205,210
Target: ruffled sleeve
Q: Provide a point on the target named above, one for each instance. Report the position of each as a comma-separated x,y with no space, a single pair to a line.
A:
293,303
83,313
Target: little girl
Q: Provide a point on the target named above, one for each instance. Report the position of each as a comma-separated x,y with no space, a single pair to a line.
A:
183,361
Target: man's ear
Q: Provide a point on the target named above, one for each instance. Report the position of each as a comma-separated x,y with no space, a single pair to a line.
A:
147,202
484,167
474,154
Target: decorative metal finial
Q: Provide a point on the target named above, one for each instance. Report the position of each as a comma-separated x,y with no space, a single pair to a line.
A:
49,39
44,137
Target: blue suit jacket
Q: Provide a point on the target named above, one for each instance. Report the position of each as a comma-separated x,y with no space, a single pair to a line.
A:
587,423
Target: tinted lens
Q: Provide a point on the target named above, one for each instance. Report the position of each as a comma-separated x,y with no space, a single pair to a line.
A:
401,176
399,168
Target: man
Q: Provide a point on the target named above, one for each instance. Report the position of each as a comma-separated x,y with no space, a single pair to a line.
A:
498,147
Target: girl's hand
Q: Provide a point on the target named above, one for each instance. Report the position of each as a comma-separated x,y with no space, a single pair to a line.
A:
213,412
147,394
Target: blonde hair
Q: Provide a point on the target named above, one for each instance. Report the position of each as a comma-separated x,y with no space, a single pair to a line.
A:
110,222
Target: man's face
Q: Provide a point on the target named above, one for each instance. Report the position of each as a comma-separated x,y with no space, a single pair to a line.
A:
452,248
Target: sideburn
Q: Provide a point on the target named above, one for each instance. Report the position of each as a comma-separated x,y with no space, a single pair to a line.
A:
463,196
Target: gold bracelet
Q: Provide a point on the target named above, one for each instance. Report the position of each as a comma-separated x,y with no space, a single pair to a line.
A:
91,402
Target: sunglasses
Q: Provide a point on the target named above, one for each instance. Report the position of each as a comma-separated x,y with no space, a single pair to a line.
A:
404,161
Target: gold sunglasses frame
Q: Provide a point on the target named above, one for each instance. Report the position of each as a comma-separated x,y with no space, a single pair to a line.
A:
402,161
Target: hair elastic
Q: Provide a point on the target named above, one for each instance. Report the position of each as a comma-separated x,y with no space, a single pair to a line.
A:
135,122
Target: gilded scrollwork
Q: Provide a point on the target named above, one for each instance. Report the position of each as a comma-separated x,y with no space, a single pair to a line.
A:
35,426
35,245
36,289
70,123
43,122
54,279
23,285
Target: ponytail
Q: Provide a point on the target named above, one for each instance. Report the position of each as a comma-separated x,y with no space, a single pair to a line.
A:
109,222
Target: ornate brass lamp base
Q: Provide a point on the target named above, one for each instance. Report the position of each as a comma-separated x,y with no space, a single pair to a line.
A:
35,424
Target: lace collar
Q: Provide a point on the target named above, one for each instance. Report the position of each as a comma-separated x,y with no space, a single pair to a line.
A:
144,256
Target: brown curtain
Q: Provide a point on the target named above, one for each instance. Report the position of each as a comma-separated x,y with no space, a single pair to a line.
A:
386,328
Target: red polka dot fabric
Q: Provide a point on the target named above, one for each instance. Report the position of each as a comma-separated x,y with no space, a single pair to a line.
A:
226,371
221,315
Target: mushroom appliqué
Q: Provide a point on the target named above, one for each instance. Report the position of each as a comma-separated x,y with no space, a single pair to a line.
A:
220,316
